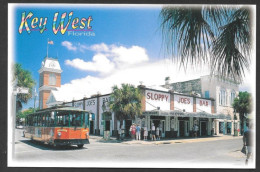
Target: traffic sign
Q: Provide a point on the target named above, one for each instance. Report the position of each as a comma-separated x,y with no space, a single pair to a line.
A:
22,90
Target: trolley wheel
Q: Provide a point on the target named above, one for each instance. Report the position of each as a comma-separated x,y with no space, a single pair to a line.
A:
80,146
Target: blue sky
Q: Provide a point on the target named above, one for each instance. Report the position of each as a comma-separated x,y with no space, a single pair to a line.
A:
127,26
126,48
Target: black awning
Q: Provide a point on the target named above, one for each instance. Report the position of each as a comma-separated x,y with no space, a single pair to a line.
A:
177,113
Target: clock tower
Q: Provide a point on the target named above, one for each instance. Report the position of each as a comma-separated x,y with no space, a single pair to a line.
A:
50,79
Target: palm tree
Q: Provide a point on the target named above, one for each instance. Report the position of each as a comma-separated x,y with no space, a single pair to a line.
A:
125,102
24,79
243,105
219,35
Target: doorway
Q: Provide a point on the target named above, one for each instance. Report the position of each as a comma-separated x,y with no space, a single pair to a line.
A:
203,128
107,126
221,127
128,124
187,131
181,129
91,127
163,128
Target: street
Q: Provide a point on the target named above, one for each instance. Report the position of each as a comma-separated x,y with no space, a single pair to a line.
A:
180,154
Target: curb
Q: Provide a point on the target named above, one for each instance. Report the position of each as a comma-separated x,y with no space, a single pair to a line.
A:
168,141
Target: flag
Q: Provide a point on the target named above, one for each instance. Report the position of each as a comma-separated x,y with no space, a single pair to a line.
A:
50,42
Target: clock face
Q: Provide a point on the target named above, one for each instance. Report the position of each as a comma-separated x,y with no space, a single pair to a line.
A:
52,64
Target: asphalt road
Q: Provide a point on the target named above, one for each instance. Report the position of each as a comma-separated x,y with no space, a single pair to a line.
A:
212,154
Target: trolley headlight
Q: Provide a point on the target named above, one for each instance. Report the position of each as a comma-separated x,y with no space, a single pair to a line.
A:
59,134
86,133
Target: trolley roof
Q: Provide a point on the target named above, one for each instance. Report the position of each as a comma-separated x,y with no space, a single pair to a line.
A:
59,108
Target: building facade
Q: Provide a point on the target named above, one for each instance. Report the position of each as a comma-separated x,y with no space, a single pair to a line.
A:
223,91
50,79
175,107
175,113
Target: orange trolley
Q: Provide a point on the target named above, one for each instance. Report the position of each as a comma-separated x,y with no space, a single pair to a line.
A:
60,125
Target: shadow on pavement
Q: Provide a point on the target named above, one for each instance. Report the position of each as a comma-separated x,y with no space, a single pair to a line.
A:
42,146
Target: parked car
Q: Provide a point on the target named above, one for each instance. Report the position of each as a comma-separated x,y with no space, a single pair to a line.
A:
19,126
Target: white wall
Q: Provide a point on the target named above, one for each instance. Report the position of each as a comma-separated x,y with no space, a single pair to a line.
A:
183,102
203,105
154,99
91,105
214,85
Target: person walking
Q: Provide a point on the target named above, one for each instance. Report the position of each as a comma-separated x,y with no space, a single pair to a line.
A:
122,132
195,130
157,133
247,141
133,130
145,133
138,132
119,133
153,132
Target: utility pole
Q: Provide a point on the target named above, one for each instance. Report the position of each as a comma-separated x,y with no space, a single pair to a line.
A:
14,94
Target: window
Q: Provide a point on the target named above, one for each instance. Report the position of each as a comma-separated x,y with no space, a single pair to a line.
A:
52,79
41,79
222,97
232,97
75,120
63,120
206,94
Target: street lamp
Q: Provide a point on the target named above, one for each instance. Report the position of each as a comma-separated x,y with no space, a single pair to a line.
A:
35,95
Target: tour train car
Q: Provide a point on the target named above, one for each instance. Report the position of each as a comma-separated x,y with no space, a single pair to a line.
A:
57,126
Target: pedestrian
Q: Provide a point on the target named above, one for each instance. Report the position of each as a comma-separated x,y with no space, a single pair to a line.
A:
145,133
157,133
138,132
122,132
195,129
247,141
153,131
133,130
119,133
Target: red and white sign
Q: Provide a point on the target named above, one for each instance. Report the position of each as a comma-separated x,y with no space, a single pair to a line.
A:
183,103
154,99
203,105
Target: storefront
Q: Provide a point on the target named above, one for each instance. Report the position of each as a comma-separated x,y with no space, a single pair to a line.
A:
176,123
224,125
106,117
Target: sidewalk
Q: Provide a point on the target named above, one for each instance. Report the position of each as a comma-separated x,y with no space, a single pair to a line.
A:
100,139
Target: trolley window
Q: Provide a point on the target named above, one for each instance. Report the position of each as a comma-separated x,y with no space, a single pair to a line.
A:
62,119
76,120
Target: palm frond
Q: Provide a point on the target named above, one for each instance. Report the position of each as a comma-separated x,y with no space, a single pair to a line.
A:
186,34
231,51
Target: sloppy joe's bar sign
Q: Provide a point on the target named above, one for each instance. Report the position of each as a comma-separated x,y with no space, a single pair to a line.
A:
154,99
78,104
183,103
203,105
91,105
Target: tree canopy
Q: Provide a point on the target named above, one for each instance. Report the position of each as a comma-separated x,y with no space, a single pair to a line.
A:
125,101
24,79
218,35
243,105
23,114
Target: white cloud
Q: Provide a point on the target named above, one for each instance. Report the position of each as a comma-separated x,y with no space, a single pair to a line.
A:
69,45
100,63
150,73
109,57
99,47
132,55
